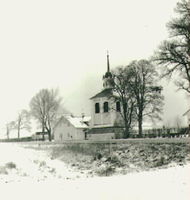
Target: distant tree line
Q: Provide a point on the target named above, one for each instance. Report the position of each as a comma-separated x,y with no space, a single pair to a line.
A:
44,107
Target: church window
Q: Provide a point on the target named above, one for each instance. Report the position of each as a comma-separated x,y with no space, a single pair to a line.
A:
118,107
106,107
97,108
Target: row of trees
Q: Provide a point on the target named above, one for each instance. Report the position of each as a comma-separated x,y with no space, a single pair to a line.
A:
137,90
22,122
135,84
44,107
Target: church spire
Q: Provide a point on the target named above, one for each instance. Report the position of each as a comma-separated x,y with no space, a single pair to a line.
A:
108,78
108,63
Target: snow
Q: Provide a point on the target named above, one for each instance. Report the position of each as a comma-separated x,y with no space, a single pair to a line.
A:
77,122
38,177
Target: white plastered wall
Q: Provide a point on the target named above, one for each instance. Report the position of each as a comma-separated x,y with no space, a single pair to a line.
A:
66,131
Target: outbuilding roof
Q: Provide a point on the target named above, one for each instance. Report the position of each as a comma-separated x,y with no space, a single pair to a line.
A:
78,122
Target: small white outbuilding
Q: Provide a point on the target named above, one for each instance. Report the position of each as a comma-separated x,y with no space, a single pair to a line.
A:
71,128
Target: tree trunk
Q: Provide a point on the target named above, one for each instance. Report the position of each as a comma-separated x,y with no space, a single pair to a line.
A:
140,126
43,130
49,135
8,133
126,132
18,132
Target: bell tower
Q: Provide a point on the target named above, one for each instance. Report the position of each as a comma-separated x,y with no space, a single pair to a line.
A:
105,112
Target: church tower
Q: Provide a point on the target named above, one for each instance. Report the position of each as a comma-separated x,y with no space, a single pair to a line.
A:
105,112
108,81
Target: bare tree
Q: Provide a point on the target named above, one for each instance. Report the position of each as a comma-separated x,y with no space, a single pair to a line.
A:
148,98
124,97
44,107
8,128
22,122
174,54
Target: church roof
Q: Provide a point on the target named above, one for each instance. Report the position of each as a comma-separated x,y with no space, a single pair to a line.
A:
104,93
188,111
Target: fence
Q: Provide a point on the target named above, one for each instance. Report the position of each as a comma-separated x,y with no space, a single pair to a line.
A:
163,132
23,139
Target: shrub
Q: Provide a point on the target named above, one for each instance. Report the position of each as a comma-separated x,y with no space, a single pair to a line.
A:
42,163
97,156
160,162
10,165
105,170
115,160
3,170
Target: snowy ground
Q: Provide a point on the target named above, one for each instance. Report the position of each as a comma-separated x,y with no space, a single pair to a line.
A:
30,174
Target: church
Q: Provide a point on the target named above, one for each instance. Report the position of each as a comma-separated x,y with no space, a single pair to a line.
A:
105,111
104,122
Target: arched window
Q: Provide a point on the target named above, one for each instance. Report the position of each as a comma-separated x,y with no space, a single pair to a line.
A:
97,107
118,107
106,107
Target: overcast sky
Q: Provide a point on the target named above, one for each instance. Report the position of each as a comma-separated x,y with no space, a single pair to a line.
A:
62,44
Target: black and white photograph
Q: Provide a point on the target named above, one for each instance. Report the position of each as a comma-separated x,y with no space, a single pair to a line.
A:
95,99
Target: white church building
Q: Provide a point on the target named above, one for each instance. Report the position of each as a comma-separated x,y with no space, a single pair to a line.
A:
105,112
103,122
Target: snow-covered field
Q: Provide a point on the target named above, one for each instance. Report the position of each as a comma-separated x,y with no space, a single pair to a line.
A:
31,174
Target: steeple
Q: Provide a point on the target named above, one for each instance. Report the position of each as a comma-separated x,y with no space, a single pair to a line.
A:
108,78
108,64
